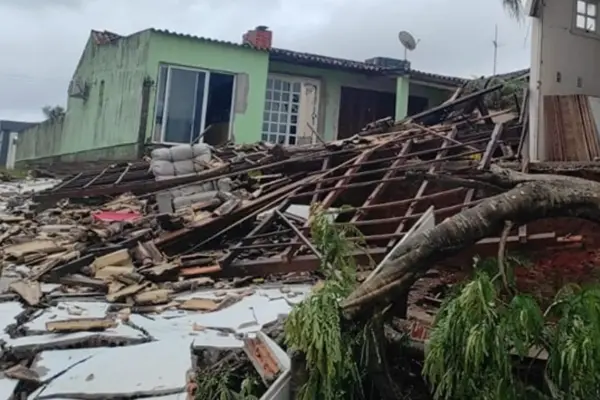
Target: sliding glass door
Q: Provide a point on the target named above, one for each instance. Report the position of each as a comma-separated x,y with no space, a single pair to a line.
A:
185,93
182,101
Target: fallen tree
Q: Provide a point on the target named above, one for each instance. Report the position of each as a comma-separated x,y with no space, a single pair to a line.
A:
526,198
332,348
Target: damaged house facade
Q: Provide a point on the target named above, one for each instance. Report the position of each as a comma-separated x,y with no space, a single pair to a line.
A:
155,88
564,105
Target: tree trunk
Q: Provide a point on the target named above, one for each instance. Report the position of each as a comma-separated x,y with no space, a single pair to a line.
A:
529,198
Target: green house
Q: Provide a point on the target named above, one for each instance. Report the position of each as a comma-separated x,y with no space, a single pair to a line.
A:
158,87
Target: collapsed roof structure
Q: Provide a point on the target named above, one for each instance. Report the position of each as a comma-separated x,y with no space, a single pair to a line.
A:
138,242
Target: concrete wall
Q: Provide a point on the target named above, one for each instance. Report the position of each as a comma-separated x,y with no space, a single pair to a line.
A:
249,65
559,48
9,130
568,51
331,86
402,93
110,115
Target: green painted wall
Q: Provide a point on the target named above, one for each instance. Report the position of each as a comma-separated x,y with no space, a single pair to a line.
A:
250,65
402,93
331,85
110,116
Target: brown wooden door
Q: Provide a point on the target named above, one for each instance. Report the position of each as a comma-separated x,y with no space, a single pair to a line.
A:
358,107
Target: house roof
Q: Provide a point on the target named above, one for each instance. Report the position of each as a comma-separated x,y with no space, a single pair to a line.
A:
105,37
515,74
285,55
205,39
436,78
15,126
319,60
308,59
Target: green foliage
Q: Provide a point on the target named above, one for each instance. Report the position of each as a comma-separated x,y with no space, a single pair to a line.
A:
53,113
314,326
508,97
574,365
218,384
480,337
514,8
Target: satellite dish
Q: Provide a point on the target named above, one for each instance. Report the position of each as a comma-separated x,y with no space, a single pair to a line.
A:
407,40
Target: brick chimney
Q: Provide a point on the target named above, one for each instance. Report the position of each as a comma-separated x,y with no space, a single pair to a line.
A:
260,37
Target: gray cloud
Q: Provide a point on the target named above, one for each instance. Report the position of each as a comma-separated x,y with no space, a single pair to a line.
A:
43,4
42,40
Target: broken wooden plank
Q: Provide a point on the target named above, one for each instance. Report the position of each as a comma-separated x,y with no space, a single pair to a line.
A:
80,325
29,291
116,258
199,304
127,291
153,297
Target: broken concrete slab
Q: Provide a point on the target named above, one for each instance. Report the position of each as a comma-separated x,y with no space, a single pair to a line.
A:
151,369
64,311
251,312
9,311
224,325
7,386
27,346
49,364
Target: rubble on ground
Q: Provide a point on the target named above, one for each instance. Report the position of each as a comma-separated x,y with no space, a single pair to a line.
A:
125,281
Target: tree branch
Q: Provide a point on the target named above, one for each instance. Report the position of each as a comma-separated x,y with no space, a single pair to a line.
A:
532,197
502,254
454,180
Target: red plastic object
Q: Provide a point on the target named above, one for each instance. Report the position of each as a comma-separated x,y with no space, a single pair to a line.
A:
115,216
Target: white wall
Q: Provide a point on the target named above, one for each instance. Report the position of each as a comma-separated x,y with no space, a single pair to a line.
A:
566,50
12,150
559,48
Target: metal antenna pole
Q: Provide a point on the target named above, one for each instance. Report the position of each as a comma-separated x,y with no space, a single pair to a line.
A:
495,42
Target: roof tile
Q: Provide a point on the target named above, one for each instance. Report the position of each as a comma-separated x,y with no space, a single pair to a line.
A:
284,55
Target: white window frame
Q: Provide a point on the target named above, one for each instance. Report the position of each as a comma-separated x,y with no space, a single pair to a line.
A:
165,106
302,81
583,13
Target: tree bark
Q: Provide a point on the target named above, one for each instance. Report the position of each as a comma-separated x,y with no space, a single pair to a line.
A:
528,198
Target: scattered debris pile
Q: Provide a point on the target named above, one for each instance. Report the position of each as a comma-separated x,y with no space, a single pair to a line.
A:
206,248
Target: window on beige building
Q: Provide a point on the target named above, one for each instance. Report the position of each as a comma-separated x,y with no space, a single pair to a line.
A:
586,15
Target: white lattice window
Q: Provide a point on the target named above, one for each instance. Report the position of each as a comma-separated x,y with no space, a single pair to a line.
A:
586,15
282,109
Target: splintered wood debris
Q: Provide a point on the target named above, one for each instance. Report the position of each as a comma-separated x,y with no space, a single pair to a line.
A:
201,259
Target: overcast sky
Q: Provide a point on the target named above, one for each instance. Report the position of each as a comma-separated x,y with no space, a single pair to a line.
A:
42,40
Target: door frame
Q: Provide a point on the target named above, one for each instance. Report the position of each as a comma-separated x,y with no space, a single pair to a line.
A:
207,75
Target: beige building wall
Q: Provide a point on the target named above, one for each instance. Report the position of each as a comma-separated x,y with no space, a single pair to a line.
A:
564,59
